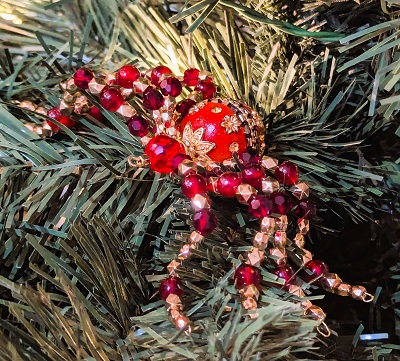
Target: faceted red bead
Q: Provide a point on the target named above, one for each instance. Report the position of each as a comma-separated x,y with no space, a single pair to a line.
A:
315,268
247,275
171,286
260,206
193,184
227,184
178,159
96,114
287,173
282,203
157,73
138,126
305,209
286,272
249,157
161,150
183,106
111,99
55,113
207,88
82,77
204,221
191,76
152,99
253,174
171,86
127,75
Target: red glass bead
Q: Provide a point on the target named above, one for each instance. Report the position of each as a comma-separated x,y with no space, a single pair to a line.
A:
111,99
152,99
204,221
171,86
82,77
282,203
207,88
171,286
127,75
193,184
249,157
247,275
161,150
287,173
55,113
315,269
305,209
227,184
96,114
253,174
138,126
286,272
157,73
183,106
178,159
191,76
260,206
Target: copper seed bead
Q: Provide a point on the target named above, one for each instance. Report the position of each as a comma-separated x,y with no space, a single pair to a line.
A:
343,289
330,281
358,292
316,313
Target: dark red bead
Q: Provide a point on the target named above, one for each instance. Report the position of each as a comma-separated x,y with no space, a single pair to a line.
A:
157,73
191,76
193,184
96,114
111,99
227,184
171,286
126,76
207,88
260,206
314,269
282,203
171,86
249,157
204,221
55,113
178,159
138,126
253,174
305,209
247,275
82,77
152,99
286,272
161,150
287,173
184,105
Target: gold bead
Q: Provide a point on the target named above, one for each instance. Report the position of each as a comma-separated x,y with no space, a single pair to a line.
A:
41,110
330,281
307,256
70,86
140,161
281,223
316,313
358,292
186,166
280,239
172,267
181,322
200,201
196,96
69,98
269,185
195,239
249,303
174,314
169,103
82,105
184,252
279,255
267,225
269,163
96,86
342,289
173,301
65,109
304,225
229,163
250,291
260,240
244,192
126,111
255,257
141,85
296,290
299,240
300,190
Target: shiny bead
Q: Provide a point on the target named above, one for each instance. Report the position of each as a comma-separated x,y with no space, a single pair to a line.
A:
177,160
82,77
253,174
96,114
195,238
304,225
181,322
126,76
171,86
278,254
212,184
287,173
158,73
280,239
126,111
305,304
269,185
173,266
244,192
65,109
173,302
171,285
329,281
55,113
342,289
183,106
184,252
307,256
358,292
138,126
250,291
296,290
316,313
27,104
200,201
140,85
193,184
96,86
282,203
228,183
299,240
249,157
249,303
268,225
255,257
300,190
191,76
260,240
269,163
285,272
314,269
204,221
260,206
305,209
281,223
152,99
111,99
207,88
186,167
246,275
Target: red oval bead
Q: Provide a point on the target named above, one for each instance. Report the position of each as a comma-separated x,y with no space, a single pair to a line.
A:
82,77
193,184
111,99
183,106
152,99
138,126
204,221
96,114
305,209
286,272
126,76
157,73
247,275
55,113
282,203
191,76
171,286
227,184
315,269
171,86
249,157
161,150
287,173
260,206
207,88
253,174
178,159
